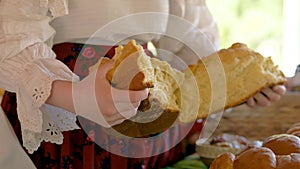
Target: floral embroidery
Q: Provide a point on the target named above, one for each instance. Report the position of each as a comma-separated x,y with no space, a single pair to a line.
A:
37,94
52,129
88,52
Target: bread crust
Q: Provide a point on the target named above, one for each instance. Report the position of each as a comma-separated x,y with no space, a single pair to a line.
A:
246,72
294,130
136,129
224,161
283,144
256,158
278,151
291,161
129,72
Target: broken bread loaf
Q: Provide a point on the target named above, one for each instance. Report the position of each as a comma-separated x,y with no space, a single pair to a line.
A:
221,80
134,70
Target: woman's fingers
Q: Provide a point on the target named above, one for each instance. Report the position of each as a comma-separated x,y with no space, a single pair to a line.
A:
270,94
261,99
122,107
119,117
280,89
251,102
267,96
103,69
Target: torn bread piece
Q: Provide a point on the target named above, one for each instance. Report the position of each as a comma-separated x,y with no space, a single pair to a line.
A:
134,70
160,110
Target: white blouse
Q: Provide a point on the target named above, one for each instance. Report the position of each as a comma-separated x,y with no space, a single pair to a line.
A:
28,66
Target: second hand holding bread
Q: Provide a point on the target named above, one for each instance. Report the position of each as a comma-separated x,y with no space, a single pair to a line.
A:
246,72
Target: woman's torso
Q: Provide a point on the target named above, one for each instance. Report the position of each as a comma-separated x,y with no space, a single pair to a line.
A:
87,18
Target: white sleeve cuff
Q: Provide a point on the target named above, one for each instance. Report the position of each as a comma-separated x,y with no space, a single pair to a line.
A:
31,74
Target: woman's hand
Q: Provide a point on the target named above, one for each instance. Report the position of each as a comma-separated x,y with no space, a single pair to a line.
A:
267,96
293,82
96,100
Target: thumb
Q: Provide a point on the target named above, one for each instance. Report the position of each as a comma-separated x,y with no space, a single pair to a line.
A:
104,68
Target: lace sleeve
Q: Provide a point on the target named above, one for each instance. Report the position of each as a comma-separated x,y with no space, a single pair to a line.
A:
30,74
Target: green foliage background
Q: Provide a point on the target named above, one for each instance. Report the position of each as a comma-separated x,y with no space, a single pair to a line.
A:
248,21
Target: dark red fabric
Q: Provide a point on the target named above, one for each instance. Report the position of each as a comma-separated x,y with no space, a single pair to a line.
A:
78,150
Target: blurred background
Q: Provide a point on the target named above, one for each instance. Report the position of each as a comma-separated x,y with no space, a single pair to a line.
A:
269,27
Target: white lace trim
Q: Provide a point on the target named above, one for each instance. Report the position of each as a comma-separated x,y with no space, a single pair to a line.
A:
55,121
28,110
39,121
42,122
33,93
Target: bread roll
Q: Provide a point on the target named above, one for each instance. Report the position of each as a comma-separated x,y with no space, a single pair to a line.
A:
188,95
294,130
224,161
295,125
255,158
291,161
277,152
283,144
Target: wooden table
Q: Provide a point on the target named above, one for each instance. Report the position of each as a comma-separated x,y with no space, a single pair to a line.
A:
259,123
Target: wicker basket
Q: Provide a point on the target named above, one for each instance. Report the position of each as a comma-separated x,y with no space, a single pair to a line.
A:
259,123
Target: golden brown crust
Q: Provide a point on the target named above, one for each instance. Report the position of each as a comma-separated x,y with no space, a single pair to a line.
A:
291,161
126,72
256,158
283,144
278,153
246,73
135,129
294,130
224,161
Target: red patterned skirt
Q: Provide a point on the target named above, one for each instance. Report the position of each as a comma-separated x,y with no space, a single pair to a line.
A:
78,150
